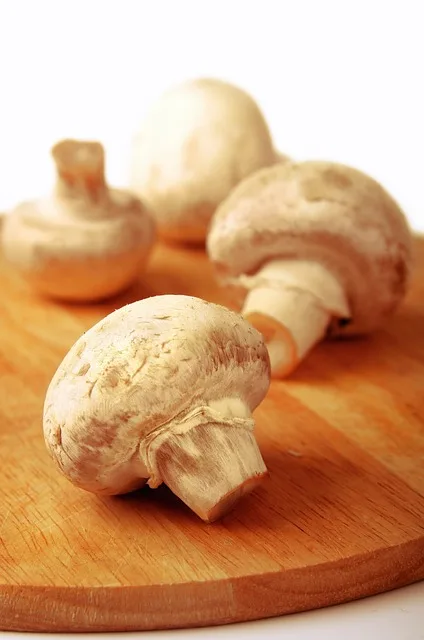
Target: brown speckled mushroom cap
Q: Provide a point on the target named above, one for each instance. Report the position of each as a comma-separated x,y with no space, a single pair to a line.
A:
159,376
198,140
324,212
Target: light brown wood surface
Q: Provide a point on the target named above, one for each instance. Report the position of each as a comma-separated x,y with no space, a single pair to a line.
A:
340,517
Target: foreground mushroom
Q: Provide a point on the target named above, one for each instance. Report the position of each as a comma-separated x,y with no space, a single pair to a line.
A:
196,143
85,242
162,390
320,248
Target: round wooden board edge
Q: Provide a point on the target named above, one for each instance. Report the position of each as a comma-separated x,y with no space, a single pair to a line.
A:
210,603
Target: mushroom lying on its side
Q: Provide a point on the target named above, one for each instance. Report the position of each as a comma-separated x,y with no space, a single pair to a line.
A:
320,248
162,390
86,241
196,143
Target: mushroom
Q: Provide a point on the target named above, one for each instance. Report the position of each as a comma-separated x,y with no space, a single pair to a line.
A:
86,241
196,143
162,390
318,249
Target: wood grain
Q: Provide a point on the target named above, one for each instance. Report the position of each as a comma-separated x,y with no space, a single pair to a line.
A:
341,516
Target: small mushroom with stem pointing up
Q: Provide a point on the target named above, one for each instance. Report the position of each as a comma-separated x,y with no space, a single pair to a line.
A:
86,241
162,390
199,139
319,248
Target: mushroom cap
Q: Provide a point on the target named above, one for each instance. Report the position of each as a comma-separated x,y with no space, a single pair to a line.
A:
138,368
321,211
199,140
76,248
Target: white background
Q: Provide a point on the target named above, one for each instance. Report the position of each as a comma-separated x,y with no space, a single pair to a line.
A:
338,80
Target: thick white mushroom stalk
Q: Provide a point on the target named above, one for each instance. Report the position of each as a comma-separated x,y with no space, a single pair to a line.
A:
209,459
292,303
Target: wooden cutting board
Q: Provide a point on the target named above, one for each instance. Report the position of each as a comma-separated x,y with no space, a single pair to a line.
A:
340,517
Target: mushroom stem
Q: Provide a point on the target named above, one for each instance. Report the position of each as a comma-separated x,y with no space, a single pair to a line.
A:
210,467
80,168
291,302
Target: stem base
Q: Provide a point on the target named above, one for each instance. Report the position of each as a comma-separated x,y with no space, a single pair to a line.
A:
210,467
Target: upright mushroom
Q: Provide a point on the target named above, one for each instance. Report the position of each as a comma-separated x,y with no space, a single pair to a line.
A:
86,241
320,248
162,390
196,143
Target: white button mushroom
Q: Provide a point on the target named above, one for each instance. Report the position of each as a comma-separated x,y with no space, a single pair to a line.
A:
162,390
86,241
320,248
196,143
